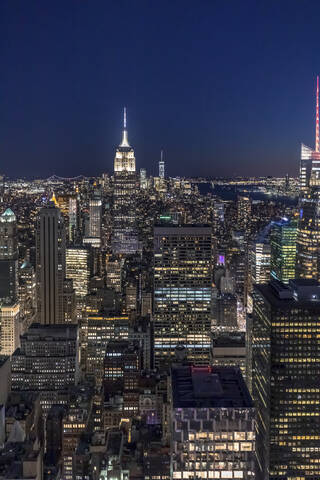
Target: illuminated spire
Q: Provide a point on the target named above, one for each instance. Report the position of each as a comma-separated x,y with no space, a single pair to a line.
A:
54,200
124,142
317,116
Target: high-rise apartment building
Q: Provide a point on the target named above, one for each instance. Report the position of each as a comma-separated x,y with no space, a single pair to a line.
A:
50,251
125,238
47,362
182,291
243,212
283,250
285,378
212,424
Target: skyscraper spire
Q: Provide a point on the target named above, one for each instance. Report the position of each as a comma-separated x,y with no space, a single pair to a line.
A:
124,142
317,117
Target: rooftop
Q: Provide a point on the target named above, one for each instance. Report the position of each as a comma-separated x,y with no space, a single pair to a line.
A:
57,331
209,387
298,294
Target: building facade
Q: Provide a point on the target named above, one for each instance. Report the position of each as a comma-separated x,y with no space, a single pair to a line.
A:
283,240
182,291
50,269
285,379
213,424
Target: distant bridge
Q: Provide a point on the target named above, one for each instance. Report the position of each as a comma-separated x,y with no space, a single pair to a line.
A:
55,178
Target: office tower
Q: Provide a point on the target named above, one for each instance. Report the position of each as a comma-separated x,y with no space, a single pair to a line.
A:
10,328
69,302
100,329
73,217
47,362
260,262
27,289
95,212
122,364
8,257
143,178
131,297
113,273
243,212
124,197
146,304
213,431
283,250
308,236
50,271
225,310
77,270
182,291
286,369
161,166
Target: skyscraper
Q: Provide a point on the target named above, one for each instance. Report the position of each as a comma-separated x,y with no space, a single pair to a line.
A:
8,257
285,378
77,269
124,197
95,206
243,212
161,166
283,250
9,306
260,262
308,237
182,291
50,253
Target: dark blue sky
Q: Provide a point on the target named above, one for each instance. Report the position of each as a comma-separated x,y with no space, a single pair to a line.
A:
225,87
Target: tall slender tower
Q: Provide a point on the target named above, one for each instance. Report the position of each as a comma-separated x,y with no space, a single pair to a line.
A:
308,237
161,166
8,257
51,258
124,196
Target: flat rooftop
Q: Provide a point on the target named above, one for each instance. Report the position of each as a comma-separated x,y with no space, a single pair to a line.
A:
209,387
273,296
236,339
175,230
56,331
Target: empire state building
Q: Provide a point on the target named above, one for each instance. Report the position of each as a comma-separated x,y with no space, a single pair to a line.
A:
125,239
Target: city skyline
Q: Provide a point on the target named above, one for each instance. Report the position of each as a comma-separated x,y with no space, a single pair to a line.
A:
223,90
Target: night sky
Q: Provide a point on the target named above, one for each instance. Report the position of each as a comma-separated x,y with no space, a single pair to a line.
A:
224,87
